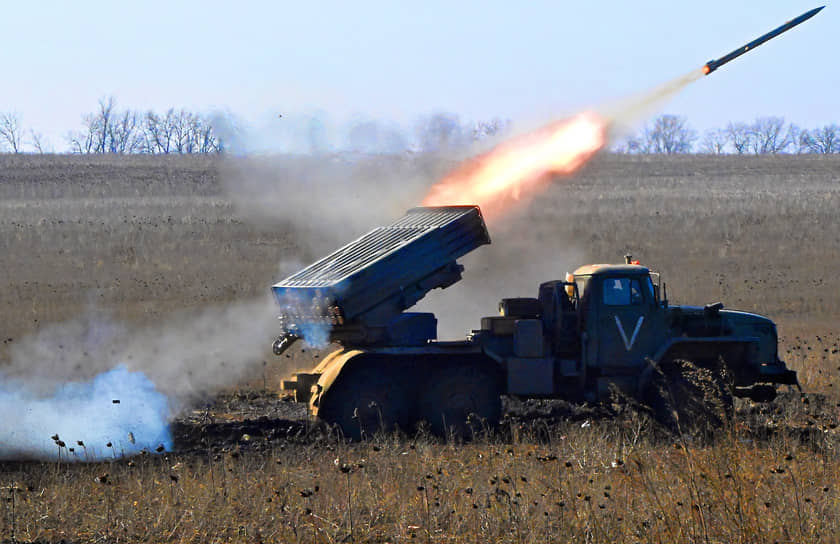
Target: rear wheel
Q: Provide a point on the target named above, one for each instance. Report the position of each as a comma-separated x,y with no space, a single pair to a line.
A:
462,399
367,401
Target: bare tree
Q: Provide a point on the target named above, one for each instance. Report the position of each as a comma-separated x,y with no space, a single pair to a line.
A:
108,130
636,145
486,129
124,133
102,124
715,142
38,143
83,141
11,133
179,131
625,146
208,140
159,132
740,136
768,136
668,134
795,137
316,133
181,125
823,140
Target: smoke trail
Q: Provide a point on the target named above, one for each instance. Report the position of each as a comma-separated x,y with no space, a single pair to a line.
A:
625,113
80,419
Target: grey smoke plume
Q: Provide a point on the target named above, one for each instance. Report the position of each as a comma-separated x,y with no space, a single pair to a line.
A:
188,355
66,378
318,133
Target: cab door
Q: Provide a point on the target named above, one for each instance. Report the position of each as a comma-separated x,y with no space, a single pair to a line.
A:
626,331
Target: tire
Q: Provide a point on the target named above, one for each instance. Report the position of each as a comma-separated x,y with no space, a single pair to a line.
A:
368,401
689,400
461,400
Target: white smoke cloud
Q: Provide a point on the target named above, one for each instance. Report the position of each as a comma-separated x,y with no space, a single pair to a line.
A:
79,419
65,378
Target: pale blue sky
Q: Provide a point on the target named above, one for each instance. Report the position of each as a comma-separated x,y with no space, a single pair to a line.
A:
389,60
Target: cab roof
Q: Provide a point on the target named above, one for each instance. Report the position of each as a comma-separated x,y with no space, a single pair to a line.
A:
607,269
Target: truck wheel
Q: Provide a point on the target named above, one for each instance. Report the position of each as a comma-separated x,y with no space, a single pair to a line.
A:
689,399
462,400
365,402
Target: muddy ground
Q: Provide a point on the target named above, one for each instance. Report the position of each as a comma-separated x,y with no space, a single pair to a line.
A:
255,420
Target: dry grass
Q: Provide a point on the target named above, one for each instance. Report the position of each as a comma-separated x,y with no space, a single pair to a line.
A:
601,482
141,237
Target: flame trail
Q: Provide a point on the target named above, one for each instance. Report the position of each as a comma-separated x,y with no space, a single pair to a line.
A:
503,174
516,169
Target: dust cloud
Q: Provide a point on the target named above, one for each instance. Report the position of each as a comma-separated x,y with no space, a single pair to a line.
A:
64,379
187,356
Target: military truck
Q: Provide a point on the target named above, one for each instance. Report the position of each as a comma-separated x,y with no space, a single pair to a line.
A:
601,330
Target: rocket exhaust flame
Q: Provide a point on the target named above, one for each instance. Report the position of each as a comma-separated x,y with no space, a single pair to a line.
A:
515,167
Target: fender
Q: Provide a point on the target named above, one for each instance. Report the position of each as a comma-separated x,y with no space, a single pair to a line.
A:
330,369
681,341
424,357
684,341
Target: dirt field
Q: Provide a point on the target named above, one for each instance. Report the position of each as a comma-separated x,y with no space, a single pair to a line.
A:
139,240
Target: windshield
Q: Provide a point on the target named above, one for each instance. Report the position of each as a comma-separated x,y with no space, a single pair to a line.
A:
629,291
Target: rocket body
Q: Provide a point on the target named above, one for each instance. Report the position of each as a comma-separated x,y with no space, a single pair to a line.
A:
714,64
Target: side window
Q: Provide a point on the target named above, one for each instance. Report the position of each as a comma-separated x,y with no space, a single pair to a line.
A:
622,292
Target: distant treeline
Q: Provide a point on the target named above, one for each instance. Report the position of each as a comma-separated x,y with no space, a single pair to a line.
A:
110,129
671,134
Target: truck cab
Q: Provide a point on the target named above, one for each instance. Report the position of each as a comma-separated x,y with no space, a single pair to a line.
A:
614,325
601,326
622,319
622,325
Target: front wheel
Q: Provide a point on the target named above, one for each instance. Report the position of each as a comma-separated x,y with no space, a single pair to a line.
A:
462,400
689,399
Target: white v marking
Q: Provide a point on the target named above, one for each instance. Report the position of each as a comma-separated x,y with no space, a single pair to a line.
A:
628,344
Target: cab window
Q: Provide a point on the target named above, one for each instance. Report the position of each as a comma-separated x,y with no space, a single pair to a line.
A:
622,292
647,284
